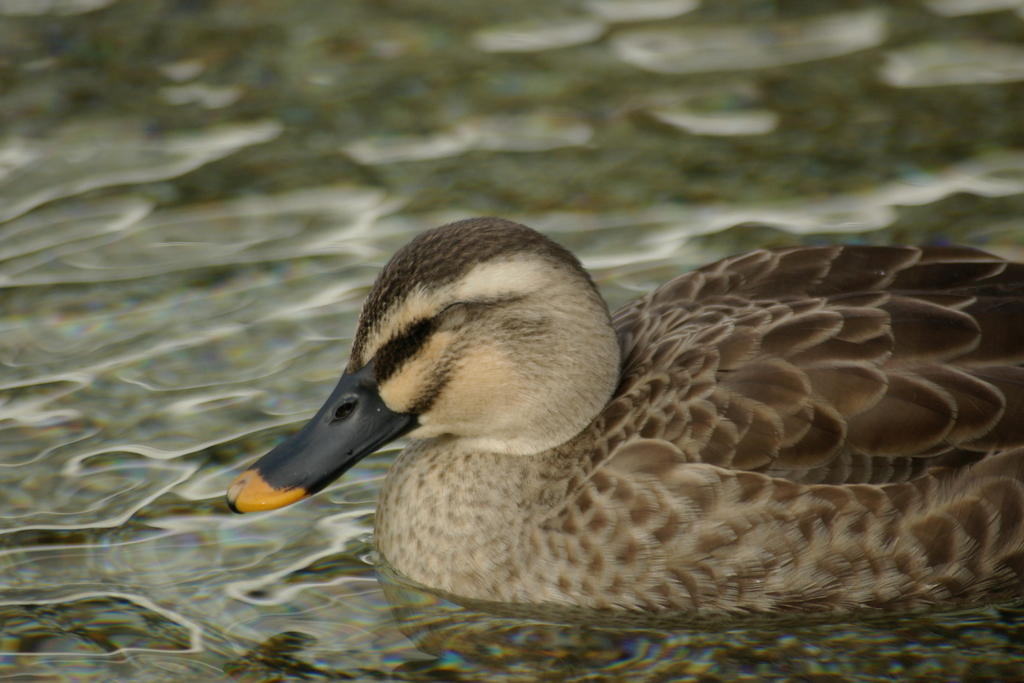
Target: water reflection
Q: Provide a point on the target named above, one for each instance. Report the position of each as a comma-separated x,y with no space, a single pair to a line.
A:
959,8
757,46
537,36
954,63
721,109
536,132
84,157
21,8
482,640
640,10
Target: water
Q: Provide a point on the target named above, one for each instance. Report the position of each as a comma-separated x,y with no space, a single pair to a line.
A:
195,197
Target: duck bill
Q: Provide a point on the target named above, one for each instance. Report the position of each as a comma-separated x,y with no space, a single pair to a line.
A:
324,449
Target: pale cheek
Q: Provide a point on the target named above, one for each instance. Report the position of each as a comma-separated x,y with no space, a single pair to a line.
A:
400,392
480,395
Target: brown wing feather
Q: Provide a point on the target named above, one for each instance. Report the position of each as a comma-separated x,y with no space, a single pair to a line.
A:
828,364
808,428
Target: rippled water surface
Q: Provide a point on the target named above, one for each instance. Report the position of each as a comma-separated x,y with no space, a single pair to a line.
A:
196,195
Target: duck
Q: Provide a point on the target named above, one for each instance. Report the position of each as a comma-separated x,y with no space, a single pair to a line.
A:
803,428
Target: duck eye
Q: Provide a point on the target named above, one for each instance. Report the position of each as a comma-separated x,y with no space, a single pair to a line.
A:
345,409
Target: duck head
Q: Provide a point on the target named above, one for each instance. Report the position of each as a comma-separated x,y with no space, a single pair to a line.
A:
483,331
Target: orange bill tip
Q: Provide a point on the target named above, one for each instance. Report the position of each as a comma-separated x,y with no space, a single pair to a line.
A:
251,493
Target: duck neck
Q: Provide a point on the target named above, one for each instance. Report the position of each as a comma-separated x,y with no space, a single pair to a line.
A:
459,520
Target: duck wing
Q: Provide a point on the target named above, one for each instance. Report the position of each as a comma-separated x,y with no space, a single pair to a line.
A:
807,428
838,365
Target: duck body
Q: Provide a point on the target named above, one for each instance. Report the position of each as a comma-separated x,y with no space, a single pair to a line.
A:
803,428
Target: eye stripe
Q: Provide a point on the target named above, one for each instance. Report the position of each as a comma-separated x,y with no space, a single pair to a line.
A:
390,357
395,352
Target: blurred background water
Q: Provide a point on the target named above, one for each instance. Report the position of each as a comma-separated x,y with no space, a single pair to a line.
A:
196,194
